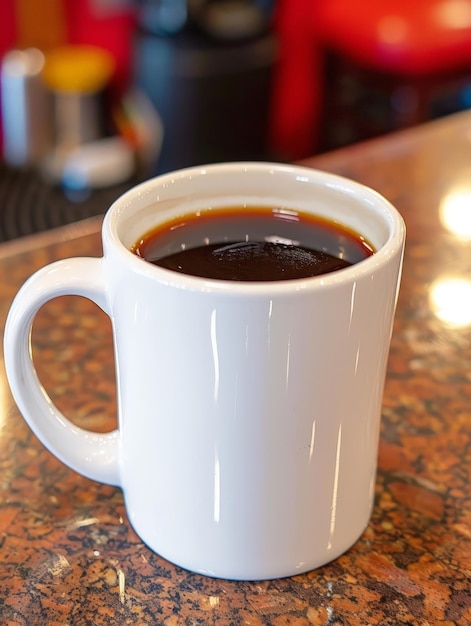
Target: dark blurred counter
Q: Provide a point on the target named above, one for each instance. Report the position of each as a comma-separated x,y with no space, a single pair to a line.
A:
29,205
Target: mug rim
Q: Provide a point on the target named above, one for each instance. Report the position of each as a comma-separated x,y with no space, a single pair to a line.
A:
392,246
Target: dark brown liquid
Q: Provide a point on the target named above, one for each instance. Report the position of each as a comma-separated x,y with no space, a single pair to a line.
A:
252,244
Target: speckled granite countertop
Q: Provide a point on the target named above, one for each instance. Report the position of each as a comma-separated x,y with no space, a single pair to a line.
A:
67,552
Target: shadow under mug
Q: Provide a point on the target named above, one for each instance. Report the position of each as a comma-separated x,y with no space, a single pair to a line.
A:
248,413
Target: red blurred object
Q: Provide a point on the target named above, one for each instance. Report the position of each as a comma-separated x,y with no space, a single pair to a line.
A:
424,37
7,39
297,82
421,44
107,24
7,26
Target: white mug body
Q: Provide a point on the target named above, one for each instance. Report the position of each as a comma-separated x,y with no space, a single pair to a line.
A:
248,413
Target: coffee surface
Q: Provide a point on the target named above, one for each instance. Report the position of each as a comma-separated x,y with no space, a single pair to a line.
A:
252,244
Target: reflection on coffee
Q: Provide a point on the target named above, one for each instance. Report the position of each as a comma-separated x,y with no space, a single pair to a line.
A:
252,244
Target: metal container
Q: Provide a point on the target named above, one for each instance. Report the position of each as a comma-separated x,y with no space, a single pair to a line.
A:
25,109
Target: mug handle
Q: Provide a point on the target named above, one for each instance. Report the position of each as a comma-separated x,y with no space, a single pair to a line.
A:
92,454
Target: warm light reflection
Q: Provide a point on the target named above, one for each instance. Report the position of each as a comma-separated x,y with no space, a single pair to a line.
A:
5,398
392,29
455,212
450,299
455,14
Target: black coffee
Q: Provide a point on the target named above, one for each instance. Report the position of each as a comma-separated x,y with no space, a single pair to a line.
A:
252,244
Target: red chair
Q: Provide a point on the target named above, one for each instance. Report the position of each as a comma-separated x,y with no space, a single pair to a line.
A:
410,51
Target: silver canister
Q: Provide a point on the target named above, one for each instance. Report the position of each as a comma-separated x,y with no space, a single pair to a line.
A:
25,108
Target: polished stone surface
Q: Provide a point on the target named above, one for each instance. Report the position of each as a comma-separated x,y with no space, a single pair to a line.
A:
67,552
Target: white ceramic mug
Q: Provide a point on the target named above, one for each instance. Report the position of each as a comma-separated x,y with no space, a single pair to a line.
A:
249,413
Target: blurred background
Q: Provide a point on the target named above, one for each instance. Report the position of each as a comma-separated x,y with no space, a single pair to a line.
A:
99,94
